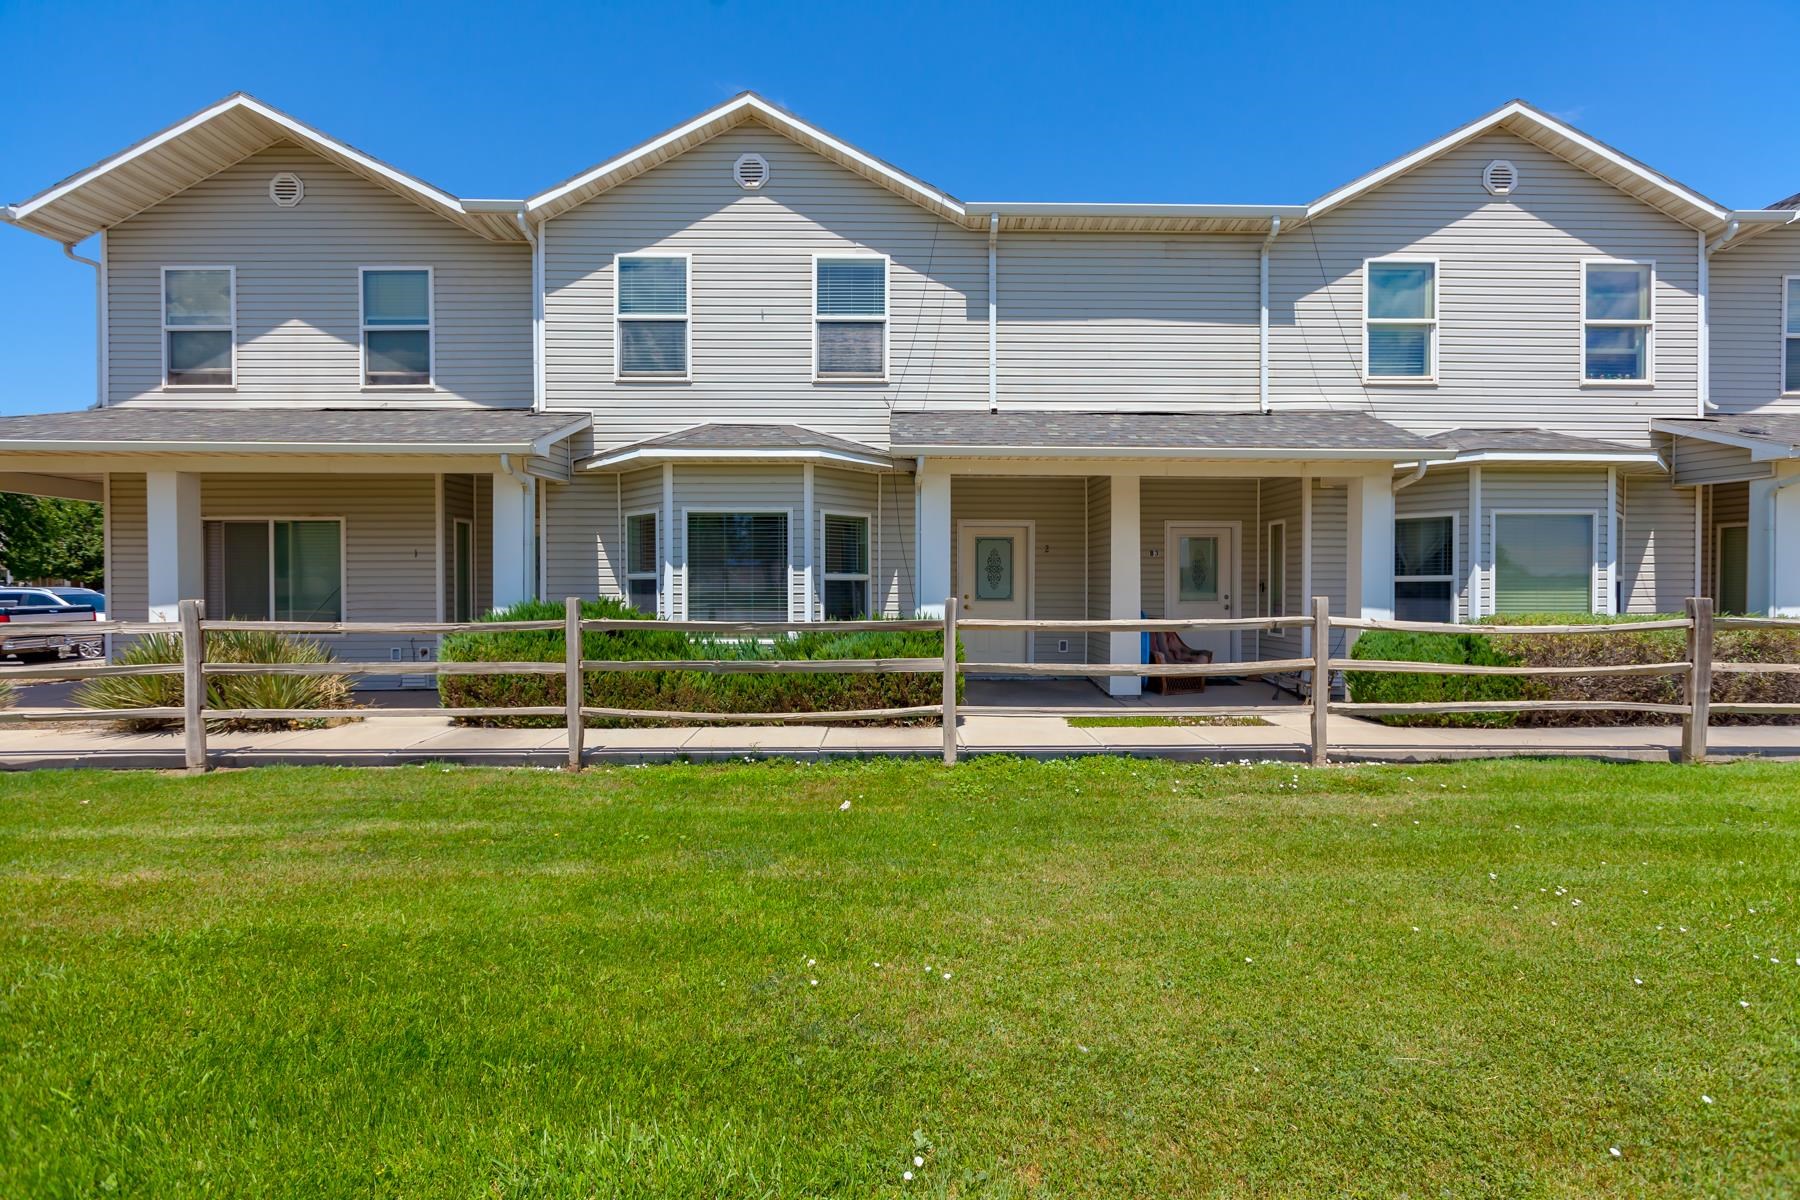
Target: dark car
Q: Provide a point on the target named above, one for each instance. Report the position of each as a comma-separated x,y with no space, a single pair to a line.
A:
22,607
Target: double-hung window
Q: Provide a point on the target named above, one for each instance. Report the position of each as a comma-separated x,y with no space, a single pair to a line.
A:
1616,321
1544,563
1277,576
396,326
275,570
1400,320
199,326
651,311
850,317
846,559
737,566
1790,334
1425,568
643,563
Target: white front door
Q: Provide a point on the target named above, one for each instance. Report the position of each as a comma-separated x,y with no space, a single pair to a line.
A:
993,580
1199,580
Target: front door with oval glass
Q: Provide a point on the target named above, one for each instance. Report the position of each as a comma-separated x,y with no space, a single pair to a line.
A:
1199,579
993,581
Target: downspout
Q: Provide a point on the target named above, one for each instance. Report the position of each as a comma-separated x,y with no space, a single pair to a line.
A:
994,312
530,531
1417,473
100,338
1262,327
1705,299
539,401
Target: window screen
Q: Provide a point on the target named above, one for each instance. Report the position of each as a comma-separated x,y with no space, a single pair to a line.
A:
1543,563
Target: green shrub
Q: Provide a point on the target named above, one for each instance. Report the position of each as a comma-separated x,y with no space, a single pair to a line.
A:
1575,650
222,691
681,691
7,694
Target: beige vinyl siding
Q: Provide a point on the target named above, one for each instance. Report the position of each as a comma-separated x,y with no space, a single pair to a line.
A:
896,551
1234,501
881,498
1656,544
1582,490
459,504
484,542
741,489
1088,321
581,520
1746,285
1099,560
1443,491
1509,280
1058,506
1330,568
129,569
1281,502
1696,461
1726,504
751,281
299,333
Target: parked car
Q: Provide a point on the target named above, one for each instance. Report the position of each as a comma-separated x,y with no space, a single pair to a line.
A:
80,595
23,607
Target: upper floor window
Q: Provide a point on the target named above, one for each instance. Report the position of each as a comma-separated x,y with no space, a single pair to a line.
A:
1400,320
1616,321
850,309
1790,334
199,326
651,316
396,325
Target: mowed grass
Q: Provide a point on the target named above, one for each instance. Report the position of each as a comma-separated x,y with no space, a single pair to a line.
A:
1096,978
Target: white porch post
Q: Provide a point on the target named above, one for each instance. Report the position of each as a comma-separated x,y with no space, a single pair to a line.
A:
1370,553
1774,537
936,538
175,542
513,534
1126,581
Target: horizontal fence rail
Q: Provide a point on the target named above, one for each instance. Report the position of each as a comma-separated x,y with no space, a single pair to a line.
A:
1315,668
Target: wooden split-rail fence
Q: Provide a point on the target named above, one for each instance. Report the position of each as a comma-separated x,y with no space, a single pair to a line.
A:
1315,667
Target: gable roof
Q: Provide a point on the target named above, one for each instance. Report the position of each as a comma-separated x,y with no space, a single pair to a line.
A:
745,107
719,442
161,429
218,136
1560,139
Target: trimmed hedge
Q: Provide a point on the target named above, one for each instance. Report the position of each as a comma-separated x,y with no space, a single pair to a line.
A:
1572,650
680,691
222,691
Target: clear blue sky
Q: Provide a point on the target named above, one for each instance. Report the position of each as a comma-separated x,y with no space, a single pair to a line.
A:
1267,102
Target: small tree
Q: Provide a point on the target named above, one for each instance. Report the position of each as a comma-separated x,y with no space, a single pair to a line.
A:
43,537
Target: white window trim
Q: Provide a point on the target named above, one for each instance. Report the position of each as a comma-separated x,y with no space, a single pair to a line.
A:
343,553
1597,587
747,510
429,329
654,574
886,318
455,524
1430,378
867,578
1718,560
1648,324
1454,578
167,329
1789,387
1271,601
686,318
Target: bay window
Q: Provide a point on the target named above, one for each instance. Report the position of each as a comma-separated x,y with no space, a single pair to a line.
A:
199,326
396,326
1544,562
1400,320
850,311
1425,568
846,561
651,316
737,566
275,570
1616,322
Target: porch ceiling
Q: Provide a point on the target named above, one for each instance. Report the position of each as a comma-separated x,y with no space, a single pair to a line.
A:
1281,435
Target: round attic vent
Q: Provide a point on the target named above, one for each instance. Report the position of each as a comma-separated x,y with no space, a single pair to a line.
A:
286,189
751,171
1500,177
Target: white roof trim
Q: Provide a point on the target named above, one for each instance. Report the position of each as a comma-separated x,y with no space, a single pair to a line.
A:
125,446
1282,453
1512,109
749,103
1648,458
1200,211
1762,449
625,457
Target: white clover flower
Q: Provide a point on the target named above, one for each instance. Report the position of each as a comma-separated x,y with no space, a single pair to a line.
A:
1614,1151
918,1160
844,807
906,1175
1706,1099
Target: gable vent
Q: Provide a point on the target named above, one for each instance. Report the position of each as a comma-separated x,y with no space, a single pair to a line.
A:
1500,177
286,190
751,171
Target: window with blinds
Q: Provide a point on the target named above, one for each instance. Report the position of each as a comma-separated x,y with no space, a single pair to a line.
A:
1425,568
1543,563
651,316
1790,334
275,570
846,560
643,566
850,309
737,566
1400,320
396,322
1616,320
199,326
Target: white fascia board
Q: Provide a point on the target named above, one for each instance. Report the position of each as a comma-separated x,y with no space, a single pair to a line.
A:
650,456
543,444
1647,458
1761,449
1222,211
1481,125
1274,453
104,446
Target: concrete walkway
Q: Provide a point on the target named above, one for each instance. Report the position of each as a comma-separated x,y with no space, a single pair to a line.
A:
385,738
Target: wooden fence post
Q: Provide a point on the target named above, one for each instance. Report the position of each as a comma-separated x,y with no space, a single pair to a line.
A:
193,685
1321,680
573,679
1699,679
950,681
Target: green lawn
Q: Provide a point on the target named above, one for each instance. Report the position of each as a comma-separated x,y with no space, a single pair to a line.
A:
1096,978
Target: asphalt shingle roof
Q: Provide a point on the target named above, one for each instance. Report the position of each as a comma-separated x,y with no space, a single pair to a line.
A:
1775,428
1527,441
384,430
750,437
1283,430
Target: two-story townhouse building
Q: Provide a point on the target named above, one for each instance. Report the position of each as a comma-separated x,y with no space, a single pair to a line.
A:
748,371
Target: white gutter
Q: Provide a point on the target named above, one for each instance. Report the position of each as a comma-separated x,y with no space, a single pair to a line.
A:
1417,474
1278,453
1704,392
1228,212
533,235
994,312
100,340
1262,328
